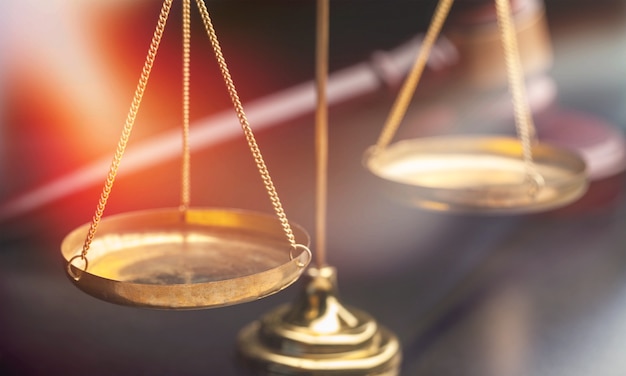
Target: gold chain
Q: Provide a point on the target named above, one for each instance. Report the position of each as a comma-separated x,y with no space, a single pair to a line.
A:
256,153
128,126
521,110
185,188
410,84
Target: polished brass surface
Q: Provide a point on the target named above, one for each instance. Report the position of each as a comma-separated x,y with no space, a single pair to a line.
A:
200,258
322,34
318,335
478,174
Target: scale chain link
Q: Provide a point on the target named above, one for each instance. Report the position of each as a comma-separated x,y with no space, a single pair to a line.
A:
185,178
521,110
130,120
256,153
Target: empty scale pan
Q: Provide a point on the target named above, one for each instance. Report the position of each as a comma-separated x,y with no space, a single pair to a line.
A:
478,174
200,258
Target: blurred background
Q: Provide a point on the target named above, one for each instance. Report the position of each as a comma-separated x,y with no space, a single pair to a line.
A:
541,294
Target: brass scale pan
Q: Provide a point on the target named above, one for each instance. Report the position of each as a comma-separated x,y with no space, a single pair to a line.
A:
204,258
482,174
185,258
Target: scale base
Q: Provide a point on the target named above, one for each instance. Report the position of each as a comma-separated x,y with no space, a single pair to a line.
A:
317,335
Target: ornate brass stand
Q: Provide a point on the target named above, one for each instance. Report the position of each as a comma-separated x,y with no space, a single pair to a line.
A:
318,335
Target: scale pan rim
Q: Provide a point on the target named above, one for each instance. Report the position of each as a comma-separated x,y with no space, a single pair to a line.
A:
563,171
221,230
